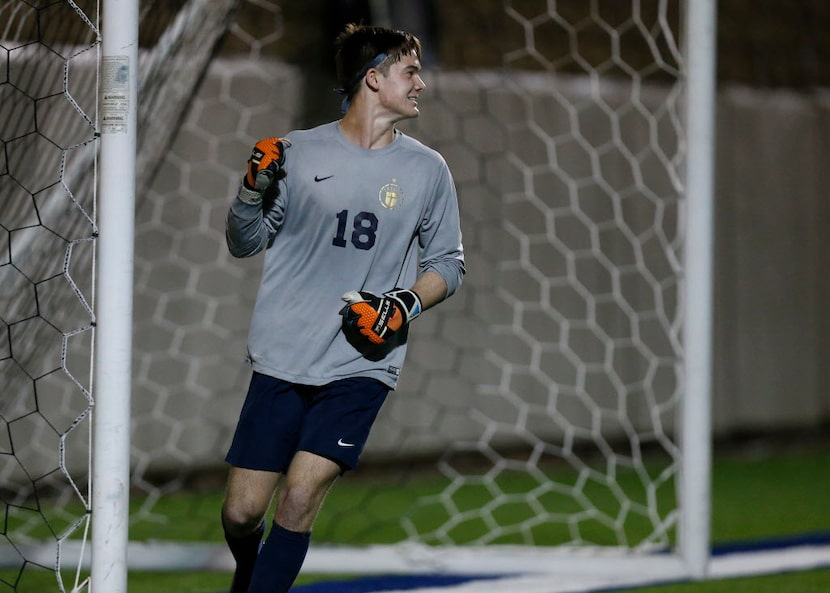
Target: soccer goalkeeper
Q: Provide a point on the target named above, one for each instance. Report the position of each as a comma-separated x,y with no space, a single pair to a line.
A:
360,227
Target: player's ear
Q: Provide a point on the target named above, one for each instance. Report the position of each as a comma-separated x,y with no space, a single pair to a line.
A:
372,79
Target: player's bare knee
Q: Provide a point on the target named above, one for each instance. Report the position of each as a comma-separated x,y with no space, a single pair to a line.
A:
241,519
296,508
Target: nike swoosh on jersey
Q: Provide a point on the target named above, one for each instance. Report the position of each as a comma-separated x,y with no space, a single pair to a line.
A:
318,178
342,443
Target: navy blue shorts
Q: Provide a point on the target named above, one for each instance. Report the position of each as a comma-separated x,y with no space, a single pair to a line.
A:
280,418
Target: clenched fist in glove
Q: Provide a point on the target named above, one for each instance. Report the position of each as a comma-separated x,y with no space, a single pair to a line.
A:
267,158
370,321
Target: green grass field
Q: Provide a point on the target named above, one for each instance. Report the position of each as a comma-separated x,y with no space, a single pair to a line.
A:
757,494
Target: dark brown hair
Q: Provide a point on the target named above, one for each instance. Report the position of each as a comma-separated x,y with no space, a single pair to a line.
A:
359,45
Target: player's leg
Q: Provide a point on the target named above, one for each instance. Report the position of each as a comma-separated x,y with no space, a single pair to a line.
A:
248,496
263,445
306,483
335,430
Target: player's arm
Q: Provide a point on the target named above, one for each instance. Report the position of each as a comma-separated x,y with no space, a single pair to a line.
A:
256,212
370,320
431,288
442,253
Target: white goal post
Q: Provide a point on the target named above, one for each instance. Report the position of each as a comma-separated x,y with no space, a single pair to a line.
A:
695,494
118,106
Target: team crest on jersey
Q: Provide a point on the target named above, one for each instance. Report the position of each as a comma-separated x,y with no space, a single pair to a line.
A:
391,195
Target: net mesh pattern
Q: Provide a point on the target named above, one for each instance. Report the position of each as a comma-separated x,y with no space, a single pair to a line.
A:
47,231
540,401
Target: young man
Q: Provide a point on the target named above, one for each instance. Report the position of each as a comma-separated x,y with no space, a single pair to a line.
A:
351,211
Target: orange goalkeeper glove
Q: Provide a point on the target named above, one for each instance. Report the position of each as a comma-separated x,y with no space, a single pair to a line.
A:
370,320
267,158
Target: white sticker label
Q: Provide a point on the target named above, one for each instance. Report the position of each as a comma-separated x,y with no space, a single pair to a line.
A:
115,94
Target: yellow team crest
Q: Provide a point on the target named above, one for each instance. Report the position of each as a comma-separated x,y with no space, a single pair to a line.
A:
391,195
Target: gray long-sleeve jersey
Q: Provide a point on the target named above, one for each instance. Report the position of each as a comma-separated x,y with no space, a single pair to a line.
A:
346,218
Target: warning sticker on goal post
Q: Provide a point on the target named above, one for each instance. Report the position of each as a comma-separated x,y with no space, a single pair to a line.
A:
115,94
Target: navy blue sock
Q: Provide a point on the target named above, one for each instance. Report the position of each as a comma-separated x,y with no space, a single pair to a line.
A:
244,551
279,560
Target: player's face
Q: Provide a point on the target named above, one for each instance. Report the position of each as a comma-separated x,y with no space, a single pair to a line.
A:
402,87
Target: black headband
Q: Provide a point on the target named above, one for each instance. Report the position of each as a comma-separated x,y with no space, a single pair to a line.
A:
344,106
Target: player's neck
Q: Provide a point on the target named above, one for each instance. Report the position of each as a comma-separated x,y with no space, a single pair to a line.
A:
363,130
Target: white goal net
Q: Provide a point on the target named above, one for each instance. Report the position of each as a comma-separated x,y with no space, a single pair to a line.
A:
47,230
540,410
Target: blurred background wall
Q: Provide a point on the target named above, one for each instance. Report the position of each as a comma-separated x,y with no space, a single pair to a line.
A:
564,135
